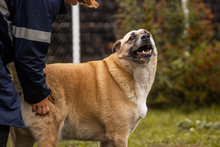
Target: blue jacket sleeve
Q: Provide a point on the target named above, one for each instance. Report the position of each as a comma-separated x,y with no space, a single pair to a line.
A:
31,27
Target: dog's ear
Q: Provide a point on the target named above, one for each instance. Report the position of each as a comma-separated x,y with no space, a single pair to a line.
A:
116,46
89,3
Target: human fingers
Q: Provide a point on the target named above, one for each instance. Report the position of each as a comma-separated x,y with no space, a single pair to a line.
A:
44,110
50,98
39,111
42,107
34,107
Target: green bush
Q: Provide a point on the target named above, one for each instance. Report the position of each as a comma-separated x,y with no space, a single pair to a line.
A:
188,62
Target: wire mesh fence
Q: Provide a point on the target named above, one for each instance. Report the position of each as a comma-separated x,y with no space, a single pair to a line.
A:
98,31
61,40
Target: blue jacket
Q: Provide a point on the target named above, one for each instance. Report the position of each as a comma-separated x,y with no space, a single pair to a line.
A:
25,31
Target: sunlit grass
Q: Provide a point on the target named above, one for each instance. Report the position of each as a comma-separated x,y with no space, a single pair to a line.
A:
158,129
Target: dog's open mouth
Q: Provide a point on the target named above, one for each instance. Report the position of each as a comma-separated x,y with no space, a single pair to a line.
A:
142,52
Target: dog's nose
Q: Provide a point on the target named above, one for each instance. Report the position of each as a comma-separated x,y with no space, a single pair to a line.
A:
145,37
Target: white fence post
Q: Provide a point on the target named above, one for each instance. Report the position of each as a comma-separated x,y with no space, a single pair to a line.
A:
76,33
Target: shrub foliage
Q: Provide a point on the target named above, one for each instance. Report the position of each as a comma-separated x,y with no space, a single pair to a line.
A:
188,69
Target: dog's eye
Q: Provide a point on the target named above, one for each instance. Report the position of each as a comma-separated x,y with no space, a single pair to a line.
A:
131,38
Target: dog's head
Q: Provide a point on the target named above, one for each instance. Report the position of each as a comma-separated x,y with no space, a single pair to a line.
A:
137,45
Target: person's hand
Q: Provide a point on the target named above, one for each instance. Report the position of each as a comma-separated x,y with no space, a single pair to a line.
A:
42,107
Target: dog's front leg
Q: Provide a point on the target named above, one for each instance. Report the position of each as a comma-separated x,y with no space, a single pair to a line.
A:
114,143
104,144
116,140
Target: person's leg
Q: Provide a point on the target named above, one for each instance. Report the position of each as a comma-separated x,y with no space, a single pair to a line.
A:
4,131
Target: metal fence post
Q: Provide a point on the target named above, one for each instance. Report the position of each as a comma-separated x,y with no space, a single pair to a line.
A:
76,33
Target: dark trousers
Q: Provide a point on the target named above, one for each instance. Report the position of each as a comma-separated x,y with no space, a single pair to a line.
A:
4,131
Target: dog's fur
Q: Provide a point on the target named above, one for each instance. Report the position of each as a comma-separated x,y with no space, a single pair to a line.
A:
98,101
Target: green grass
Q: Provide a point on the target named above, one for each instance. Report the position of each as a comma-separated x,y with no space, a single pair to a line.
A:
159,129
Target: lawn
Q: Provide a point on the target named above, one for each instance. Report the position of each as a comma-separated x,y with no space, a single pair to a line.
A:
171,128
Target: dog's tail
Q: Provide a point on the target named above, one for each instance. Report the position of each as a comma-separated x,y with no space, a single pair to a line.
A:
15,79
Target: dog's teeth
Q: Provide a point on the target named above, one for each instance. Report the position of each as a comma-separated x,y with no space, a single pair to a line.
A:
138,53
143,51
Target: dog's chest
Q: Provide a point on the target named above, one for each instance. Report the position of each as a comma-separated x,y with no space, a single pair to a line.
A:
143,85
141,109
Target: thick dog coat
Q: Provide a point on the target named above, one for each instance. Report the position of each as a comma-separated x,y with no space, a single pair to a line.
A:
98,101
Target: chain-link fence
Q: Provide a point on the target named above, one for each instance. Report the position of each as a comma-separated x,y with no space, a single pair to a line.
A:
97,31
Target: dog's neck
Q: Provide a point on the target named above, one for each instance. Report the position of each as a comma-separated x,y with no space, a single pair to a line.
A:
144,77
139,77
122,76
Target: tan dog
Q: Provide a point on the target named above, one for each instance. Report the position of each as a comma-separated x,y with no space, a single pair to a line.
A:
98,101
